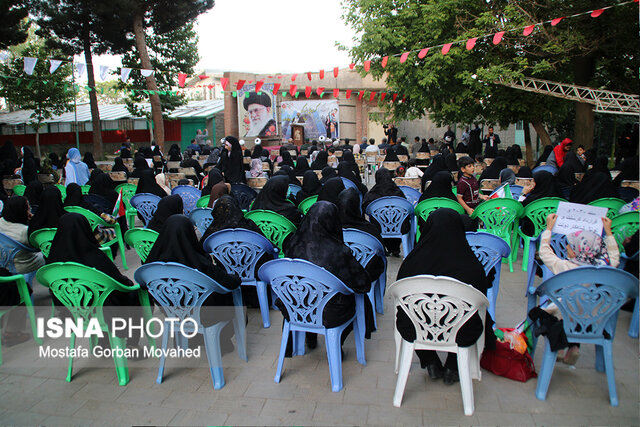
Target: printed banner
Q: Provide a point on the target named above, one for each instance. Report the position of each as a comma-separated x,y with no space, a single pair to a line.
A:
318,117
257,111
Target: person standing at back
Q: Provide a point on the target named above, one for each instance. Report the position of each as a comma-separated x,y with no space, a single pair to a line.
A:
391,132
491,142
76,170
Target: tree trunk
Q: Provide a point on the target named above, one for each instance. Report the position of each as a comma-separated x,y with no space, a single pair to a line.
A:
38,141
156,107
528,152
93,99
583,70
542,133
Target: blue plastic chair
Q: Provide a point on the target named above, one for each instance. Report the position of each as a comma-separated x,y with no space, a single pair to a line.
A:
244,195
364,247
546,168
293,189
98,202
146,205
350,184
411,194
9,248
305,289
181,291
239,251
189,196
201,218
558,243
516,191
589,299
390,212
489,249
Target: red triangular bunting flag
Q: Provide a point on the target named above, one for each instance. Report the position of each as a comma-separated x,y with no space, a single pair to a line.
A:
360,95
259,85
279,76
202,76
335,72
224,81
319,91
497,37
352,66
307,91
382,95
293,78
471,43
250,81
293,89
395,95
385,59
556,21
336,92
404,98
372,96
597,13
348,93
210,86
276,88
321,74
445,48
423,53
182,78
240,84
403,57
367,65
528,30
309,76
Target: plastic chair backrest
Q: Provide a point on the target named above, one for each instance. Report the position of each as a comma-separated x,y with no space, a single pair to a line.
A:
558,243
238,250
189,196
18,190
624,225
179,289
201,218
128,191
42,239
546,168
244,195
146,205
83,290
589,298
203,202
63,190
9,248
425,207
98,202
611,203
410,193
348,183
488,248
537,212
142,240
499,215
94,220
306,204
274,226
390,212
303,288
363,245
293,189
84,189
516,191
437,306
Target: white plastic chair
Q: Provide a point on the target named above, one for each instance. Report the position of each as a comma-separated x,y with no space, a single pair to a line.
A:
438,306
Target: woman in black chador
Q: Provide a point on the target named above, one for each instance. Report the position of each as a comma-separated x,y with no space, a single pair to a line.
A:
273,197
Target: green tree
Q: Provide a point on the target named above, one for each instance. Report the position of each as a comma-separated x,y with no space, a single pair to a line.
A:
46,94
172,53
15,26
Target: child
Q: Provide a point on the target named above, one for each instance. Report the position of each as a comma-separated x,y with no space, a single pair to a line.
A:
583,248
468,188
413,171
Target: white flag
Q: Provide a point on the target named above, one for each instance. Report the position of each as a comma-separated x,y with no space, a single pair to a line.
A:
80,67
55,63
29,64
104,69
146,73
124,74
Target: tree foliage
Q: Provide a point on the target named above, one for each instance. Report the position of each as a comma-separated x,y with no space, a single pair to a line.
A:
14,28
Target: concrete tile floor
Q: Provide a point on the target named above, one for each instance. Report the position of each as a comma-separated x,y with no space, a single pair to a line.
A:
32,393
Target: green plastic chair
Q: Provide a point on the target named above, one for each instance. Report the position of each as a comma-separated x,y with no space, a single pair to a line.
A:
85,189
142,240
537,213
18,190
425,207
94,221
500,217
203,202
306,204
63,191
42,239
623,226
128,191
83,290
612,203
274,226
25,298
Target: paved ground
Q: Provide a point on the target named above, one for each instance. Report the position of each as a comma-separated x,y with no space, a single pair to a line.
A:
34,394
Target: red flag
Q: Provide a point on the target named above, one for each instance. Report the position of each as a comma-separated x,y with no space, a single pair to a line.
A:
321,74
352,66
382,95
250,81
384,61
395,95
293,89
596,13
240,84
360,95
279,76
404,98
403,57
307,91
259,85
276,88
182,78
471,43
445,48
293,78
309,76
367,65
372,96
319,91
528,30
202,76
348,93
224,82
497,37
336,92
423,53
335,72
556,21
210,86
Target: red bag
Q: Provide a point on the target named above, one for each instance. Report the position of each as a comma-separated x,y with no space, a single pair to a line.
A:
507,362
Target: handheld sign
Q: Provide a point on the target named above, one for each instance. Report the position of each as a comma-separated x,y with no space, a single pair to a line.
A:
574,216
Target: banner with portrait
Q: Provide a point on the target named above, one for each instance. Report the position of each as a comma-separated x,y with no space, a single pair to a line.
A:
257,112
319,117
